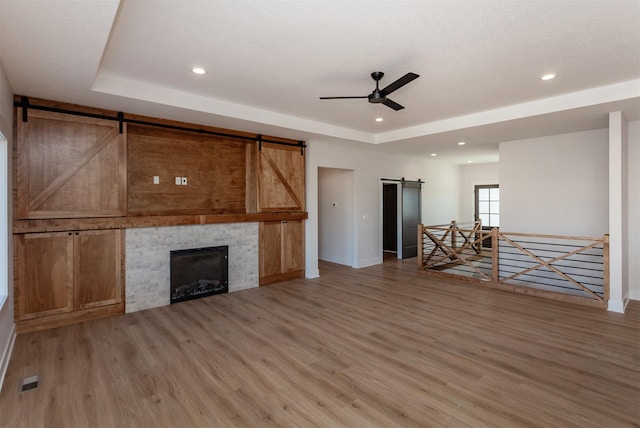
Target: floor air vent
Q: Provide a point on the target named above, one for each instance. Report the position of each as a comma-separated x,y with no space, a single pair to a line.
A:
30,382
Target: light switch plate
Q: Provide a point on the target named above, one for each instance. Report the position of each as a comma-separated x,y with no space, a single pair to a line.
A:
184,181
178,181
156,179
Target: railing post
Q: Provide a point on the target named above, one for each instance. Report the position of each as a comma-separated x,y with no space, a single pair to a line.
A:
454,233
495,244
420,245
605,267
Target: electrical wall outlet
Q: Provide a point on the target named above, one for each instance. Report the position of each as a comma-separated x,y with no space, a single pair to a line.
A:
156,179
178,181
184,181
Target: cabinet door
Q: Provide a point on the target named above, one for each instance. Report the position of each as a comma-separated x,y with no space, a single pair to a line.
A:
293,243
44,284
270,248
97,268
280,178
69,166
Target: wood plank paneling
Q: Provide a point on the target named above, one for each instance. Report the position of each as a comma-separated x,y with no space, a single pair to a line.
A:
215,169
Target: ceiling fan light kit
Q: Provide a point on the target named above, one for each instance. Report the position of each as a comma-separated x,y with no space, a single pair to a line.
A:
379,96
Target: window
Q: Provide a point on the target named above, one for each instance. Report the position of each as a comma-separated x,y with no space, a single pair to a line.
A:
488,205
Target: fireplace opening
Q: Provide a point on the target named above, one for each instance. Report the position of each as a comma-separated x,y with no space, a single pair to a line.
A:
199,272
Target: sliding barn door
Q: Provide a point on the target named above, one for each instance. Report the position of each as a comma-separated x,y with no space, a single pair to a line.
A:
281,178
69,166
411,217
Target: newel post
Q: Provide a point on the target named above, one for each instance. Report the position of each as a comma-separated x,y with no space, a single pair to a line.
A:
420,244
454,233
495,272
605,267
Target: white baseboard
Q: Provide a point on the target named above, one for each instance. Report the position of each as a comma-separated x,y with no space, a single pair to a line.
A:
634,294
338,260
617,305
368,262
6,354
312,273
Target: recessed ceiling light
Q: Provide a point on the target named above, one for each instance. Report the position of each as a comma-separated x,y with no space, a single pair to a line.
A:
469,161
548,76
379,119
198,70
461,143
433,155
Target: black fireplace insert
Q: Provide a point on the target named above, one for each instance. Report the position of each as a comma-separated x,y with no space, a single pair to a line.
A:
199,272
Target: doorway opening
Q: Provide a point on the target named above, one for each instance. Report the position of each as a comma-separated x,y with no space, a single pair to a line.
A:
336,231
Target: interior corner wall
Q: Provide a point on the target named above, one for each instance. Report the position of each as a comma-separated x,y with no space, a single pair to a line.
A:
633,197
557,184
7,325
471,176
335,215
368,166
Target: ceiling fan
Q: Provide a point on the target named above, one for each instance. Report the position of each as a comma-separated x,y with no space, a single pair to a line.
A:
380,95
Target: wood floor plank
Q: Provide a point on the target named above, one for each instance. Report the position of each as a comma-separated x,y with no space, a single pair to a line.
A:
386,345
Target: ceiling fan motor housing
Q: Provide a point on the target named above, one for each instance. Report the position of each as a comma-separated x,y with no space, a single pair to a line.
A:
377,97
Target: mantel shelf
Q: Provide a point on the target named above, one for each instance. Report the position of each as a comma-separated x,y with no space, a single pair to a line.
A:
57,225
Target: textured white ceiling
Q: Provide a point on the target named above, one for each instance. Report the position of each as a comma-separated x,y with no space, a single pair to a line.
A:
269,61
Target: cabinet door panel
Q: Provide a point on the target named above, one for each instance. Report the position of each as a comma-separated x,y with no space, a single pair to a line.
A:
45,274
97,268
281,178
270,248
293,242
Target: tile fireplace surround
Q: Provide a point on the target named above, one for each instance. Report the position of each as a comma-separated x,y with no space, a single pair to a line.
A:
147,258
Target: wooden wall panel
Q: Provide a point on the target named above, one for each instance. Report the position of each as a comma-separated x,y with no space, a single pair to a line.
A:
97,268
281,179
293,254
45,272
69,166
215,169
271,248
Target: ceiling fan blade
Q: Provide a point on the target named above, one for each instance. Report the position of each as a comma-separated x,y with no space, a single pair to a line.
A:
341,98
399,83
394,105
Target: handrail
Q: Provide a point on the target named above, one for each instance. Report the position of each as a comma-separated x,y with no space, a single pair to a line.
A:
570,268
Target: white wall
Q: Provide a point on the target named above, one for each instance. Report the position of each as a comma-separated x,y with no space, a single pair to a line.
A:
634,208
470,176
368,167
556,184
335,216
441,193
7,326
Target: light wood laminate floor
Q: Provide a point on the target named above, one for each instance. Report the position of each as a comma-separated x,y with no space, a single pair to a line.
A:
380,346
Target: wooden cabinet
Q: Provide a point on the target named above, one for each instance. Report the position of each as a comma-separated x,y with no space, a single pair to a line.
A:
69,166
280,178
281,250
66,277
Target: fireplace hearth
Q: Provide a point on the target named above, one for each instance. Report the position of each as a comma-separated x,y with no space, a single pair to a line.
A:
198,272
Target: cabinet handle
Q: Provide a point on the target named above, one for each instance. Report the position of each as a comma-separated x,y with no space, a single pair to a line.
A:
70,233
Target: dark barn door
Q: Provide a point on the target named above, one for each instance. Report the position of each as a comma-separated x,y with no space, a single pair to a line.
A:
411,217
